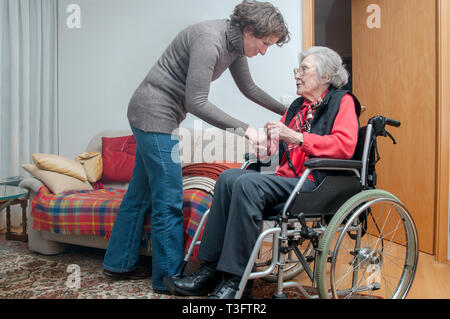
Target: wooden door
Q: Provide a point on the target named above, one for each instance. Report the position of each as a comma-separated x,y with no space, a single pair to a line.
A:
395,75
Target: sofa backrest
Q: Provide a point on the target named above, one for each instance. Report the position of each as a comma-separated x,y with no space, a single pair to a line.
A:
95,144
196,146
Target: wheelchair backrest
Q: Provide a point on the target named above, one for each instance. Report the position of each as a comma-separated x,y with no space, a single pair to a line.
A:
359,149
366,152
333,191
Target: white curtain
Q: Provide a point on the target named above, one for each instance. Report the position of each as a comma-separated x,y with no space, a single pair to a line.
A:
28,82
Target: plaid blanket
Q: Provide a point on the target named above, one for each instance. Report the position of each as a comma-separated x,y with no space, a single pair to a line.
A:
195,204
94,212
78,212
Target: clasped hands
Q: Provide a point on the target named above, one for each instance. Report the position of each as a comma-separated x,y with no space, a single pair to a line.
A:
263,140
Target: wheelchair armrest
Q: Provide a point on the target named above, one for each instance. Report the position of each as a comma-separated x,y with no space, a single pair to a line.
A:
316,163
250,157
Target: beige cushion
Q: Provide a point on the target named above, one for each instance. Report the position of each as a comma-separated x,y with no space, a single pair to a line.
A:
93,165
59,164
56,182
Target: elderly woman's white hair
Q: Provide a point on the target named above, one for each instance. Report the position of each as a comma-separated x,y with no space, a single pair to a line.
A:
328,62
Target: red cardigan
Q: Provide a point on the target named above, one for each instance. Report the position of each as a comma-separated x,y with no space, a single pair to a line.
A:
340,144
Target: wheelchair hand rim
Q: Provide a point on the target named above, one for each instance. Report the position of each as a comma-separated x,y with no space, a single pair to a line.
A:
410,261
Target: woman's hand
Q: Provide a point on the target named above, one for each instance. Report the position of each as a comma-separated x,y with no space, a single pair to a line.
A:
255,136
277,130
258,139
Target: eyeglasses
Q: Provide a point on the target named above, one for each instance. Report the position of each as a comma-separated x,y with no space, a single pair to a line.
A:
302,70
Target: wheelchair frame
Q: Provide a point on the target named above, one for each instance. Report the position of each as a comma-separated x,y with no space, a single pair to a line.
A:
363,257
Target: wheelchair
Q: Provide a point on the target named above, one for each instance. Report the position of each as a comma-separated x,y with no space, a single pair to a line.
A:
351,239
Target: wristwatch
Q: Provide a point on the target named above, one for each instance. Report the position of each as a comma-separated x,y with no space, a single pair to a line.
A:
301,139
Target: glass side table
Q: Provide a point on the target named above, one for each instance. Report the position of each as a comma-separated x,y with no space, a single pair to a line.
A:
12,195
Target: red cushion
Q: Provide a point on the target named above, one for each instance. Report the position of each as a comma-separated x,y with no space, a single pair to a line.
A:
118,158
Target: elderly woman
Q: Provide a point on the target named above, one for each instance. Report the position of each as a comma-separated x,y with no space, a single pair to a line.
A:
178,83
323,122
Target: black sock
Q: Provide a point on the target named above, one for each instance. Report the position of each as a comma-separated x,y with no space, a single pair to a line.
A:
210,264
232,277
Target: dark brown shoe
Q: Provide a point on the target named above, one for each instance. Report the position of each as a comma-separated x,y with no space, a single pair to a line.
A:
137,274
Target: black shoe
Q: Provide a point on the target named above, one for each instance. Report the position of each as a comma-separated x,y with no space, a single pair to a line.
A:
201,283
137,274
227,289
169,283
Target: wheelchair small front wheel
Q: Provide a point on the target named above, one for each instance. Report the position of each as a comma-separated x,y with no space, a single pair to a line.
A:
369,249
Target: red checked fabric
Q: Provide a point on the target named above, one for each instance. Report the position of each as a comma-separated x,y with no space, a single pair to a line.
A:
195,204
78,212
94,212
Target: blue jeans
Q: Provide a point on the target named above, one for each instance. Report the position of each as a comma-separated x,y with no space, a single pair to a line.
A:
156,187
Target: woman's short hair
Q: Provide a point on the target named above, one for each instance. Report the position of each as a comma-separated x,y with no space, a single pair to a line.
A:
328,62
262,19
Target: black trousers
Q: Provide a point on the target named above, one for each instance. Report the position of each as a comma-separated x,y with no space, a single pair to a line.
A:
236,215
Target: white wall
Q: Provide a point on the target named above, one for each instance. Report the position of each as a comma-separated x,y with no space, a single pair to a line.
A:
103,62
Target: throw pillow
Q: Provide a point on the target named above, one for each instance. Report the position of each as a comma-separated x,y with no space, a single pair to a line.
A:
118,158
59,164
93,165
56,182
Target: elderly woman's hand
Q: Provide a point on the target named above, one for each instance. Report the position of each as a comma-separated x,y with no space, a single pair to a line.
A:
277,130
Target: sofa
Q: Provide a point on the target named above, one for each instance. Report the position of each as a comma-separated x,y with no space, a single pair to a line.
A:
225,150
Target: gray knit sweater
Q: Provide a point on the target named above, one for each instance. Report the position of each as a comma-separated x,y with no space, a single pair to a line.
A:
179,81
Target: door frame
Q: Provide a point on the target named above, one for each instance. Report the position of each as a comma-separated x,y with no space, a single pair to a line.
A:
441,227
443,131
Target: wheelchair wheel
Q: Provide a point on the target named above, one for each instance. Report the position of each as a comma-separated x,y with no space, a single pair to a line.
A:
369,249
